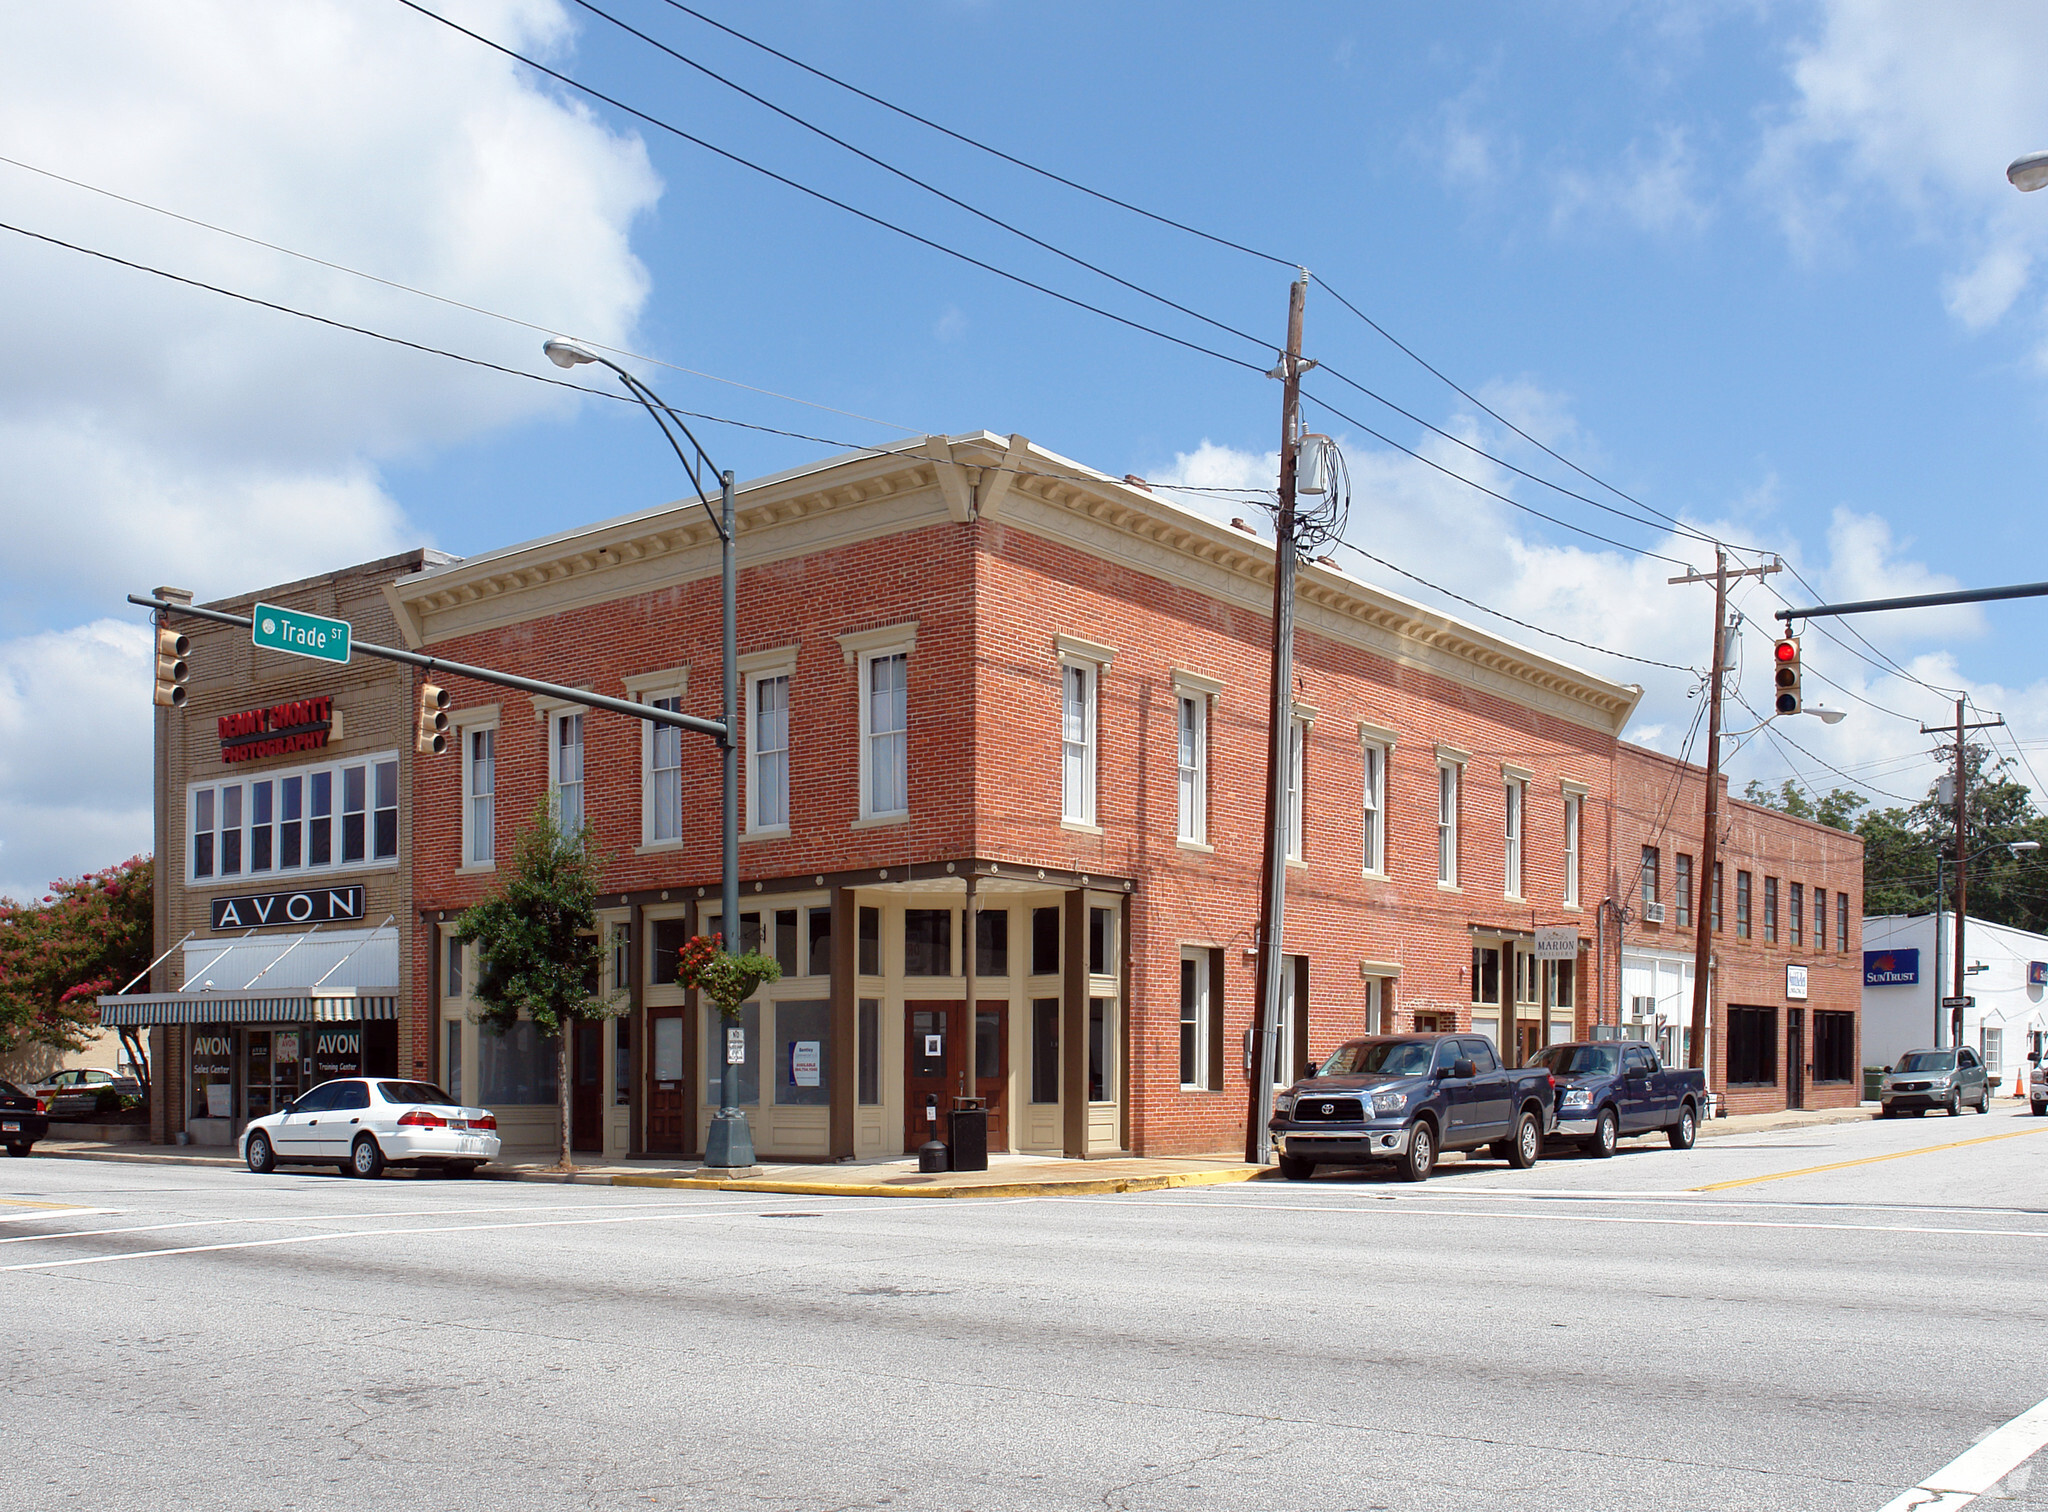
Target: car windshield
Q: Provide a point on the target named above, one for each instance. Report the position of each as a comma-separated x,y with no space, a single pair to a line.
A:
1927,1060
1577,1060
416,1092
1379,1057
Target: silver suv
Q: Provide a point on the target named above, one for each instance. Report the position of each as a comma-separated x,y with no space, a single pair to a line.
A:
1946,1079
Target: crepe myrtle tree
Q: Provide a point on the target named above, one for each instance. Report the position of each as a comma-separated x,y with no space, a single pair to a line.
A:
538,951
87,935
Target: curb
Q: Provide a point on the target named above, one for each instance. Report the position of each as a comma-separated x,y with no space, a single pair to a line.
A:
1779,1125
1087,1187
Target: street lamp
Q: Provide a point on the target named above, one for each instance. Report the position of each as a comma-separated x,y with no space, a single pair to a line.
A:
2016,848
2028,172
730,1143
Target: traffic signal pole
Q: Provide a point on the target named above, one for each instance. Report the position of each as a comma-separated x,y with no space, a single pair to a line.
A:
691,722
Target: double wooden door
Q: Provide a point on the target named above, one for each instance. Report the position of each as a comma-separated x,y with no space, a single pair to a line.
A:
669,1121
934,1050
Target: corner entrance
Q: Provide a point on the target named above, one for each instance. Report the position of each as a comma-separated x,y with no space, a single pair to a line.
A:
931,1068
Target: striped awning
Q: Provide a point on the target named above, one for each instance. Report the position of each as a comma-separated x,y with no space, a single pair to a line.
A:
343,1005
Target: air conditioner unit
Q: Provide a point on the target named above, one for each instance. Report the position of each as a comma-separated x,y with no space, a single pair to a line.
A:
1642,1007
1653,913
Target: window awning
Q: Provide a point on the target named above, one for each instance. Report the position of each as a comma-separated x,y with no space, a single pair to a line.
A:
341,1005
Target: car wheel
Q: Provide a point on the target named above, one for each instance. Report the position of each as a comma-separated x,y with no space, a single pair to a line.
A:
2041,1110
1606,1135
1527,1148
1682,1133
1421,1154
366,1160
19,1150
1293,1167
1954,1106
1886,1110
1984,1102
262,1159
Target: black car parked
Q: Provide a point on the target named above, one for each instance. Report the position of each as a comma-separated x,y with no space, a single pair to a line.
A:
21,1122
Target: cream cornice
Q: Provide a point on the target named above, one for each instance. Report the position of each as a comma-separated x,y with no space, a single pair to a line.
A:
1372,734
1073,648
1188,682
867,495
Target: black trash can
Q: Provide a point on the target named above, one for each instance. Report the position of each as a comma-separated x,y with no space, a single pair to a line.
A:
932,1157
970,1134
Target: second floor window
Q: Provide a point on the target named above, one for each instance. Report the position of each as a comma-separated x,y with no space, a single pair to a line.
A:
1820,918
1077,742
569,772
885,732
293,821
1681,884
665,776
1447,825
1511,849
1841,921
480,785
1573,815
1297,757
1795,914
1715,910
1650,878
1742,905
1770,910
768,739
1194,767
1375,788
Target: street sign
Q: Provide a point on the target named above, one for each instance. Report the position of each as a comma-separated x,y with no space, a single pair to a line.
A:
1961,1002
1557,942
736,1046
299,633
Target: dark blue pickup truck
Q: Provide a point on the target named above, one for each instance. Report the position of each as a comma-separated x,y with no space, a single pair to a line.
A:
1608,1088
1403,1098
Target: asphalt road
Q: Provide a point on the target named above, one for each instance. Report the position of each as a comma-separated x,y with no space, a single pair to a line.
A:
1662,1330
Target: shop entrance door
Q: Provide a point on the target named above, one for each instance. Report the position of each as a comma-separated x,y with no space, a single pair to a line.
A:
586,1096
927,1084
270,1071
668,1120
992,1069
1795,1057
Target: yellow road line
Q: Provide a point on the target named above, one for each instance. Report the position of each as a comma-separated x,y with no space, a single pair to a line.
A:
1843,1165
55,1207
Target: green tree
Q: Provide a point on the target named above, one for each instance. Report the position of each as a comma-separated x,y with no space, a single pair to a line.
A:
88,935
537,944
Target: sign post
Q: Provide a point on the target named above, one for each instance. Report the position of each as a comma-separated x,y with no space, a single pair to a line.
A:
299,633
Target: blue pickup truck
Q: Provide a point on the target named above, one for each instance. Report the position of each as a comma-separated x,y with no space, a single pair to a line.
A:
1609,1088
1401,1099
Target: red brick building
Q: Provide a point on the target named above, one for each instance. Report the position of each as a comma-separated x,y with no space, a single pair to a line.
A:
1786,983
982,681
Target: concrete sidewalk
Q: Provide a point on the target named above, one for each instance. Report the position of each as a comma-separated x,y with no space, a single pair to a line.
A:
1007,1175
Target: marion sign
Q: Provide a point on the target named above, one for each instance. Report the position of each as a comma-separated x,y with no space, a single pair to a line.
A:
300,633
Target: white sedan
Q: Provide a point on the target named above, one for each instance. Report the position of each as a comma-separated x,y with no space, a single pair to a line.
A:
363,1124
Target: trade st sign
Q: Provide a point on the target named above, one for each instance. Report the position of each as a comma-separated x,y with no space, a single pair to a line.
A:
1891,968
299,633
312,905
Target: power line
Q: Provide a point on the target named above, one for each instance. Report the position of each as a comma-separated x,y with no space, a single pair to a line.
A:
457,304
1499,614
1473,483
1775,737
1045,173
824,198
911,178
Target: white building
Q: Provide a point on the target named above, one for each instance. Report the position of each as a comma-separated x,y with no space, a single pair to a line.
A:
2007,981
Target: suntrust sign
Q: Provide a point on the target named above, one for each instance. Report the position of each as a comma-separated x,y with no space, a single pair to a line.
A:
1891,968
302,724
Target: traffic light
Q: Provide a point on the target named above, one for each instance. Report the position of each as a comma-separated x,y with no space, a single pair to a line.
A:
1786,664
171,649
432,736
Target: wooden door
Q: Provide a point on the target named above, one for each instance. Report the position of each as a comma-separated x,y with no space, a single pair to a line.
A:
1795,1057
668,1112
928,1082
1531,1035
992,1069
586,1098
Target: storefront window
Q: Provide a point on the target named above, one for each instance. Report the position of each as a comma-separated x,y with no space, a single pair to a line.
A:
803,1054
869,1091
452,1067
518,1068
622,1061
1101,1025
871,942
1045,1049
928,942
213,1073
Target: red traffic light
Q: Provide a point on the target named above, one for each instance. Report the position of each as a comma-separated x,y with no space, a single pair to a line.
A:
1788,650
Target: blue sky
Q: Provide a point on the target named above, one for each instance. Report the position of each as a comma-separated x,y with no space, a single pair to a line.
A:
1754,265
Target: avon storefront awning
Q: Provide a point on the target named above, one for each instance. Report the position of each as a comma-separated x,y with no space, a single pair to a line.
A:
338,1006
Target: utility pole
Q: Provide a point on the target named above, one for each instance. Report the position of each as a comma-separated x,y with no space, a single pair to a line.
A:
1962,864
1280,717
1710,839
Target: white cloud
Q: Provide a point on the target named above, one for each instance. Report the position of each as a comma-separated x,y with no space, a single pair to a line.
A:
1919,106
1653,187
75,741
156,433
1487,551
